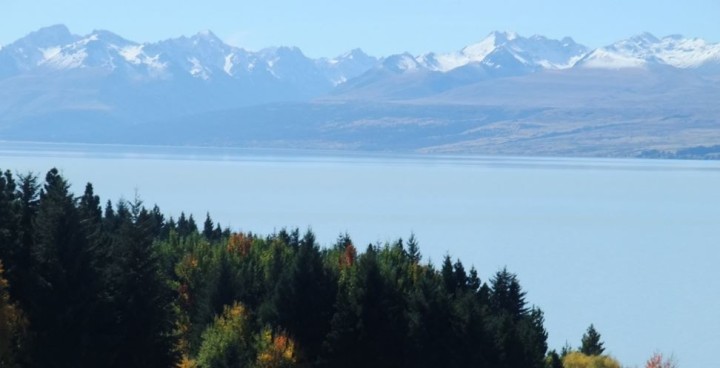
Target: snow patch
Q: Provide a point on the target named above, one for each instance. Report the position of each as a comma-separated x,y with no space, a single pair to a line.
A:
407,63
674,51
58,58
50,53
604,59
132,54
339,81
228,64
197,70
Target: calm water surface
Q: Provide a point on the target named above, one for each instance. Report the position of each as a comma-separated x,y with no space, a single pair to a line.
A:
629,245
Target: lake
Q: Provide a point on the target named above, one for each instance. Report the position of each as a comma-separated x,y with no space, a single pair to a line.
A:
629,245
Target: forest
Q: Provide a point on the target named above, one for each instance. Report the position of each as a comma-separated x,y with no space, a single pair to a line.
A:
91,284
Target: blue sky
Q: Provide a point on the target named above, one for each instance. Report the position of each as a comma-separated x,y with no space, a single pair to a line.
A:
380,27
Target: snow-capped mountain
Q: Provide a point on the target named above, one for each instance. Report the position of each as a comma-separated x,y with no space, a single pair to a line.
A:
645,49
202,56
500,54
501,49
100,87
104,74
498,51
346,66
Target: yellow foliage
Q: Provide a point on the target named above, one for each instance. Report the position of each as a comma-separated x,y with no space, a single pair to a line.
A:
186,362
580,360
227,342
276,350
12,322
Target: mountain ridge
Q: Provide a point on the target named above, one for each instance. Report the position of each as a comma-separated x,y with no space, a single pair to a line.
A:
673,50
506,94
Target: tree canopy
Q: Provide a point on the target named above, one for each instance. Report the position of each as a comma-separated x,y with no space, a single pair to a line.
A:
124,285
591,344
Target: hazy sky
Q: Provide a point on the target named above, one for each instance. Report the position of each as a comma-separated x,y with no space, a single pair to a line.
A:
380,27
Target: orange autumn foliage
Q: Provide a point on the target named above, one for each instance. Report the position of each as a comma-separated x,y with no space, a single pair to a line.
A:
347,258
239,243
276,350
657,361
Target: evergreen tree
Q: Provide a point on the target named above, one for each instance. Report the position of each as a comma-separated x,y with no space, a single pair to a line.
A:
208,229
591,344
9,221
158,222
506,295
12,326
520,337
473,281
64,279
141,300
413,249
461,277
192,226
183,226
304,299
430,341
448,275
338,349
553,360
89,207
126,288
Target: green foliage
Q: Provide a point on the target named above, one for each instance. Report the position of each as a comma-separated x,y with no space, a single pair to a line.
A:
12,326
303,298
275,350
135,290
553,360
591,344
227,342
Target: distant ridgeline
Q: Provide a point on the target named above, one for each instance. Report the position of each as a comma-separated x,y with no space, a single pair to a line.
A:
124,286
693,153
503,95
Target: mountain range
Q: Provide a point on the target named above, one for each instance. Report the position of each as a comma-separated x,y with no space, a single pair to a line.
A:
506,94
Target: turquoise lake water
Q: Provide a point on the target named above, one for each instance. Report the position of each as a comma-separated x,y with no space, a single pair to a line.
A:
629,245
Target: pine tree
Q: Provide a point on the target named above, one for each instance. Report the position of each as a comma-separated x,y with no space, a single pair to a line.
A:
521,339
413,249
64,279
192,226
183,226
208,230
553,360
304,299
89,207
140,297
591,344
473,282
448,275
12,326
9,220
461,277
506,295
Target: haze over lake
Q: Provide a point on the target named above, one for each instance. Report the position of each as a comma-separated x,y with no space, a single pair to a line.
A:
629,245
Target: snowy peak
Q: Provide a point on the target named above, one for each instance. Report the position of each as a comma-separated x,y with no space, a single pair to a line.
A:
100,49
29,51
402,63
349,65
500,48
202,56
645,49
